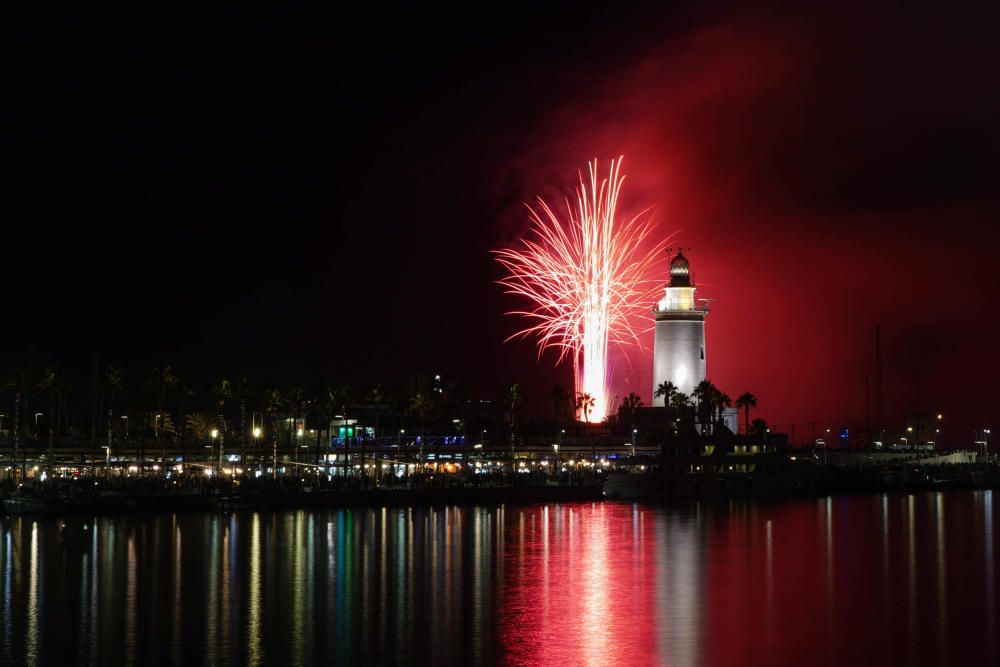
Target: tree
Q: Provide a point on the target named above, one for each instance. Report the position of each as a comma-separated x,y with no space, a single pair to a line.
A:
200,425
744,402
560,399
114,380
705,394
18,381
274,403
513,400
54,382
295,400
759,427
221,391
242,391
666,391
629,405
722,401
422,404
161,380
680,400
584,404
378,399
183,393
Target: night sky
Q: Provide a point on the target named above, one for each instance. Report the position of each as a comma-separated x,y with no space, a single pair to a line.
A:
298,197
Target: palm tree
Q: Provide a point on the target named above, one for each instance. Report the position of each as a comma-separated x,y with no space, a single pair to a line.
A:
559,397
422,404
744,402
666,391
680,400
759,427
630,404
242,390
55,382
513,399
377,398
705,394
221,391
115,381
201,425
584,404
722,401
160,381
274,403
18,381
183,392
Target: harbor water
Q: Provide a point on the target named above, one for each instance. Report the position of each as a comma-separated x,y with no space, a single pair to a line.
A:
886,579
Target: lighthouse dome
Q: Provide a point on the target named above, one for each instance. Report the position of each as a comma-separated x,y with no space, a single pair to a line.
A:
680,271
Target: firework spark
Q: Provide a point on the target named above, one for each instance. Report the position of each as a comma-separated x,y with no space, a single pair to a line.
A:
587,278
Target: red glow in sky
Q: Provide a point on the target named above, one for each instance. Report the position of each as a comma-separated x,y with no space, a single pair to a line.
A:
821,190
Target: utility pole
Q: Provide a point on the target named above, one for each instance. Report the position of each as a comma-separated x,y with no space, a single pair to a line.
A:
879,416
868,413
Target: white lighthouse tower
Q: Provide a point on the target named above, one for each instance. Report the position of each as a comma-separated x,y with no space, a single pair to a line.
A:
679,342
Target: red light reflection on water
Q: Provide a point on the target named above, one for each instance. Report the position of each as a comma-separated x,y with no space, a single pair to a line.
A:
582,586
871,580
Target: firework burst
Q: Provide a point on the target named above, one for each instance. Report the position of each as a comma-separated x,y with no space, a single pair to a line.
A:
587,278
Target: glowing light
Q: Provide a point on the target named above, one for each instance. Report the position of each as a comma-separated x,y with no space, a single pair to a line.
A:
588,280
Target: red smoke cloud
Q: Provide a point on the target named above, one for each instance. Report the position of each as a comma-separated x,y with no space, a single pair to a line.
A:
825,180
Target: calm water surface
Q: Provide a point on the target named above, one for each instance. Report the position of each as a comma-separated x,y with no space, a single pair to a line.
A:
885,579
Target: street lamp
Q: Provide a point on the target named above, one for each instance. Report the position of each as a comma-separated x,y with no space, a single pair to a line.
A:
634,432
256,444
215,436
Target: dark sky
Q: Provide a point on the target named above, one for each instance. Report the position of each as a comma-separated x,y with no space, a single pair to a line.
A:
314,197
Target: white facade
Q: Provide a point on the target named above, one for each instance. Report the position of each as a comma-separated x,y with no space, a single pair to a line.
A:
679,353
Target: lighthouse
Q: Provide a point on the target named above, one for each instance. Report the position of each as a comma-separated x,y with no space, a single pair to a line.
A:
679,339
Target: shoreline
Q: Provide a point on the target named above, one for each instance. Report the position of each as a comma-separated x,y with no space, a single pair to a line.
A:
620,488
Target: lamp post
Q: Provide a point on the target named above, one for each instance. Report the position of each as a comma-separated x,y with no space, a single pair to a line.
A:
634,432
399,445
215,436
298,441
256,442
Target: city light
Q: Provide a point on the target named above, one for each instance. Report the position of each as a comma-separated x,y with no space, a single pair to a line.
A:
588,280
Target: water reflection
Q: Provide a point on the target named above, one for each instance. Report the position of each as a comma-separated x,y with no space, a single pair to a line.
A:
863,580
